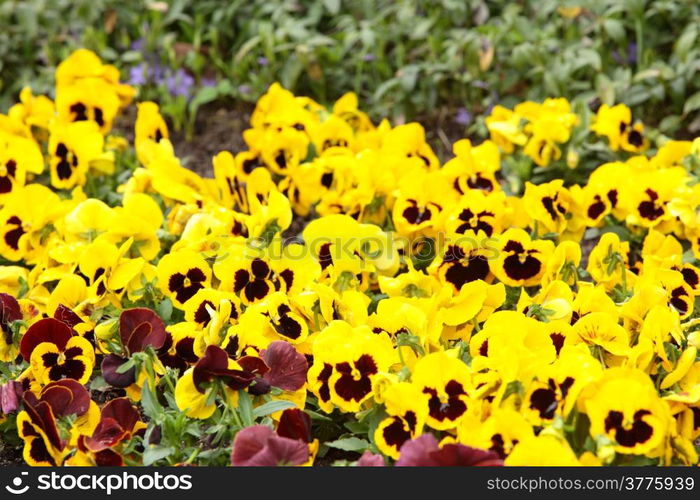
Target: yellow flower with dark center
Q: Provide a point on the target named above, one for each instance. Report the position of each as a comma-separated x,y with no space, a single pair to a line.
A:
624,406
88,99
182,274
500,432
615,123
346,362
505,128
473,168
73,150
407,407
463,261
521,261
149,124
477,211
548,205
447,382
544,450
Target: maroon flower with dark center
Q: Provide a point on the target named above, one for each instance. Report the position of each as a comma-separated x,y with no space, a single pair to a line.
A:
355,382
214,365
424,451
253,283
184,286
257,368
288,367
13,235
462,268
139,328
639,432
295,424
7,178
9,312
521,265
110,371
66,397
117,421
652,208
258,445
451,409
45,330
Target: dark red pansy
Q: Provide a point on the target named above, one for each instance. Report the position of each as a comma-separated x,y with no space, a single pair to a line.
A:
259,446
140,327
45,330
108,458
214,364
424,451
110,366
256,367
295,424
369,459
41,416
9,312
288,367
66,397
67,316
117,422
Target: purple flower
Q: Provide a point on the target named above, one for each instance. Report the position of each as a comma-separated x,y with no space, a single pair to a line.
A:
368,57
208,82
180,83
244,89
632,53
138,74
369,459
262,61
463,117
138,44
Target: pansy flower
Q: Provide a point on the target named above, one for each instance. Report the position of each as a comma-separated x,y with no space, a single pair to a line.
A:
9,313
74,149
447,382
625,407
425,451
499,433
616,124
521,261
544,450
46,440
346,362
56,352
473,168
407,407
193,392
548,205
88,99
182,274
463,260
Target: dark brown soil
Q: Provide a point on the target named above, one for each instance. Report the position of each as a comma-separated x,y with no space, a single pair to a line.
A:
10,455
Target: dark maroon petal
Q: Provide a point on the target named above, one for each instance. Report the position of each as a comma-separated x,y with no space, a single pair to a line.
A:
260,446
66,397
44,330
9,309
140,327
295,424
214,364
123,412
67,316
254,365
110,365
369,459
107,433
287,366
424,451
108,458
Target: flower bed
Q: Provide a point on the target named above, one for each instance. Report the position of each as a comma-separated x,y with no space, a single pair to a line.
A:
336,294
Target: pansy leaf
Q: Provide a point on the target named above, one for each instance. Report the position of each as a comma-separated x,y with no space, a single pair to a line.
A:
349,444
271,407
154,453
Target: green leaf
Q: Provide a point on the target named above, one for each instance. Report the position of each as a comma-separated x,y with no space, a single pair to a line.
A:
165,309
349,444
245,406
271,407
692,103
333,6
154,453
149,401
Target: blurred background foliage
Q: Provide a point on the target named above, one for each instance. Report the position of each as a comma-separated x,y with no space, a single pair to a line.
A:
407,59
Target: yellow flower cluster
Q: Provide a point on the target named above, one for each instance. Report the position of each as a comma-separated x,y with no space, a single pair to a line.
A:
338,266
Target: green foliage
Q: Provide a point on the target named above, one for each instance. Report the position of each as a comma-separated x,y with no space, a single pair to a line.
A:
402,57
